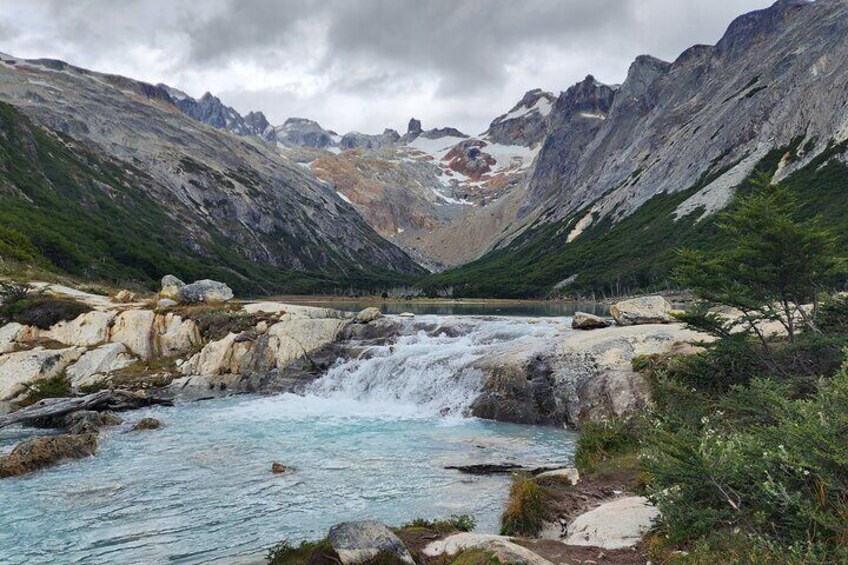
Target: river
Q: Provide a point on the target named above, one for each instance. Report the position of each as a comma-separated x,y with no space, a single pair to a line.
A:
370,439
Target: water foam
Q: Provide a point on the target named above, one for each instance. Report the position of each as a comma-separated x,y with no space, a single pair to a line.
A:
426,373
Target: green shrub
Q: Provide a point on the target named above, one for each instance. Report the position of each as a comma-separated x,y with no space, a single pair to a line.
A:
43,312
526,511
605,440
284,553
453,523
476,557
764,462
833,316
56,387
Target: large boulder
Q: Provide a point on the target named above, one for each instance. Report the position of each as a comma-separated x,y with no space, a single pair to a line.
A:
17,370
134,328
204,291
584,321
582,376
360,542
642,310
82,422
216,358
97,364
171,287
297,338
85,330
613,525
38,453
504,549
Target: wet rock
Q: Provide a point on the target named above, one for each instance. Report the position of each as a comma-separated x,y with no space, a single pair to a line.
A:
83,422
584,321
109,418
406,315
38,453
360,542
613,525
368,315
486,469
279,468
642,310
147,424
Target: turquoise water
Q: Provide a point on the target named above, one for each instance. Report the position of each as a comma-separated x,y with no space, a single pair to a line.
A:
366,442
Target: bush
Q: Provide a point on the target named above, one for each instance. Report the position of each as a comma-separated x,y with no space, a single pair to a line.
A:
526,511
773,466
56,387
43,312
453,523
216,321
284,553
603,441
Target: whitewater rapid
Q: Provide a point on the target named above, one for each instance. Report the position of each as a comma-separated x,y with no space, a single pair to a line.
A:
430,372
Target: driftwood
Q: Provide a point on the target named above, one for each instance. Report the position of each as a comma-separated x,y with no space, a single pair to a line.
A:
55,408
498,469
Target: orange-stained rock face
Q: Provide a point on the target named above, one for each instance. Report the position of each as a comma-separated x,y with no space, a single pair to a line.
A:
469,158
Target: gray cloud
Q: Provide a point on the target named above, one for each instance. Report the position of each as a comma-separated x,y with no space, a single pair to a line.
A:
364,64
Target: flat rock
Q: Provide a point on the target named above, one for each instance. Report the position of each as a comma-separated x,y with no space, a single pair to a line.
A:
503,547
642,310
358,542
40,452
569,473
97,364
616,524
584,321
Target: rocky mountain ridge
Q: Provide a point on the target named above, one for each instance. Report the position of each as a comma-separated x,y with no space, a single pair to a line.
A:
231,201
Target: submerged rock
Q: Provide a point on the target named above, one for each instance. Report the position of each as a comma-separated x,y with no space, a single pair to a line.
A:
642,310
40,452
360,542
584,321
83,422
147,424
279,468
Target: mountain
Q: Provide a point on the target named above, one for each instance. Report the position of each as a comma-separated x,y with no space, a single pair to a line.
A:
108,177
628,173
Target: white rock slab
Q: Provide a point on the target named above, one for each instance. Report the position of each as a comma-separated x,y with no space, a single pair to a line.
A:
616,524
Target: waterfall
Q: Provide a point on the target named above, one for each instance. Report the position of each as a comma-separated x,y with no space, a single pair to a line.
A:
427,372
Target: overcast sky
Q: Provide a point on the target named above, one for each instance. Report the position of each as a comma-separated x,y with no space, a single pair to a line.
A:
364,64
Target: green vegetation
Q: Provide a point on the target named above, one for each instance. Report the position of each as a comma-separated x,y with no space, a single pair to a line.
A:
215,321
744,451
476,557
526,509
19,303
639,252
451,524
65,209
284,553
56,387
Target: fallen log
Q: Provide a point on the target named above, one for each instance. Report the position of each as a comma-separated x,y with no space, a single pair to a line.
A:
55,408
